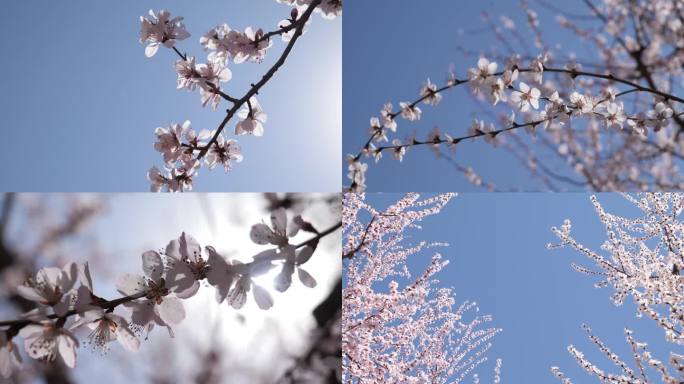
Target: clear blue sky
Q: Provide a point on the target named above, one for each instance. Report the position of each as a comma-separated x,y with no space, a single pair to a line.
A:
81,101
391,47
498,257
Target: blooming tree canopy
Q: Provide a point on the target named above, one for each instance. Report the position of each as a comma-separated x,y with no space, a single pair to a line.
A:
396,327
182,147
611,121
641,258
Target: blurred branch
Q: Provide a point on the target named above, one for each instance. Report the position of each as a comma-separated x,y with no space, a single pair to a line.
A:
326,310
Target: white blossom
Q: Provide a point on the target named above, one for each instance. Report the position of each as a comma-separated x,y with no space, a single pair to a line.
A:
10,359
223,151
106,327
50,287
409,111
430,94
659,117
252,119
47,342
157,306
160,29
399,150
525,97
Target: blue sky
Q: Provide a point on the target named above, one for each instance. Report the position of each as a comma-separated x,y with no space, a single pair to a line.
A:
389,52
498,257
81,101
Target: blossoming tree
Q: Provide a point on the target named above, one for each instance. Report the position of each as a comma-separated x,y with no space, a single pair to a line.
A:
395,327
609,121
183,148
641,258
64,304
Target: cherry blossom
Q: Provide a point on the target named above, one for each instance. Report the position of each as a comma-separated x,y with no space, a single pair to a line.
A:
484,70
169,140
582,104
496,91
238,295
357,174
50,286
429,93
615,115
160,29
525,97
217,40
191,75
409,111
377,130
47,342
278,233
219,274
250,46
252,119
399,150
329,9
397,327
659,116
157,307
205,76
10,359
284,279
157,179
223,151
186,266
105,328
388,117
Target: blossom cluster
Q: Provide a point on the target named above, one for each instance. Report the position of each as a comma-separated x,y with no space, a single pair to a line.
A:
541,109
396,327
643,259
178,143
181,147
616,126
66,301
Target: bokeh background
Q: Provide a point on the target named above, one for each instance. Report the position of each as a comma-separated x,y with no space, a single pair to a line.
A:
215,343
498,257
81,101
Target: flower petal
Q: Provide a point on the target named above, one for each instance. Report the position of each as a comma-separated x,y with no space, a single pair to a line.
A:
152,265
130,284
84,276
306,278
29,293
66,345
151,49
304,255
279,221
189,248
262,297
262,234
284,279
189,291
125,337
171,310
